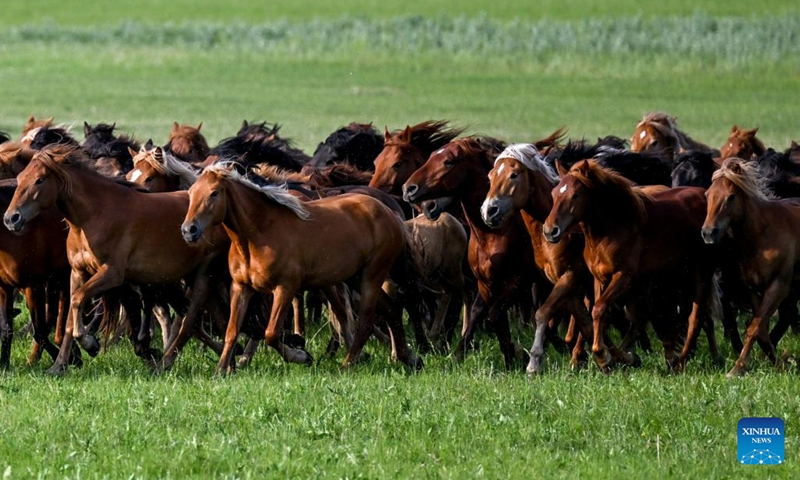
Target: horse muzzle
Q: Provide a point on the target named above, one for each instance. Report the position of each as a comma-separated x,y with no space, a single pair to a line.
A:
552,234
494,212
14,221
191,233
432,209
711,235
410,192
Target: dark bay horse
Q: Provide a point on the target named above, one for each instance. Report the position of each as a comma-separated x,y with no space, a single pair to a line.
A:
282,246
742,143
356,144
521,181
658,131
641,249
137,241
501,259
766,237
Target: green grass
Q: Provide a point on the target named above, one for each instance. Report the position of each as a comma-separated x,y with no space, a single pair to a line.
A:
113,419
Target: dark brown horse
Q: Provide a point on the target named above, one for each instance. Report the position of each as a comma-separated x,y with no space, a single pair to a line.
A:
658,131
137,241
500,259
741,143
766,237
521,181
282,246
32,126
356,145
187,143
641,249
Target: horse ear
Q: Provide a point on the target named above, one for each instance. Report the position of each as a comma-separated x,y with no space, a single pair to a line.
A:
199,126
50,120
406,136
158,154
736,168
584,168
87,129
244,124
735,129
751,133
175,126
386,134
133,152
113,125
560,169
148,144
31,119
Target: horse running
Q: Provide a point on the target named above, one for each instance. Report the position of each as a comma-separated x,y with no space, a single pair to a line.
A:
766,238
658,131
742,143
282,246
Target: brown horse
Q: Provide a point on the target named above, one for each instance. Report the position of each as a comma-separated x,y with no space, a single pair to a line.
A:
766,237
500,259
137,241
404,151
14,157
281,246
32,127
741,143
521,181
187,143
658,131
158,171
34,261
640,248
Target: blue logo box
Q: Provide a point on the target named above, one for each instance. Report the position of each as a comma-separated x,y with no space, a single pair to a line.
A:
761,441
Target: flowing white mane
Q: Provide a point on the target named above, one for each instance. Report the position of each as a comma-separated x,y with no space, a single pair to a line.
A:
167,165
277,194
528,155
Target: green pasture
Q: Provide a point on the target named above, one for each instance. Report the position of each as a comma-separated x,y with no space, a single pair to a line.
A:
314,66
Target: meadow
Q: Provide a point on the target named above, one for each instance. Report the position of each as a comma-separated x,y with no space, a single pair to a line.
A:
517,71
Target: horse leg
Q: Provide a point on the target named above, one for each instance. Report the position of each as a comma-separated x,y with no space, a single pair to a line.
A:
759,327
562,292
787,316
437,331
340,318
282,299
478,313
605,297
140,337
186,329
298,303
240,299
105,279
6,326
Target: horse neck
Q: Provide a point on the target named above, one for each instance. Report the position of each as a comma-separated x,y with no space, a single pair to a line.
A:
540,202
248,214
688,143
90,195
748,230
471,193
610,214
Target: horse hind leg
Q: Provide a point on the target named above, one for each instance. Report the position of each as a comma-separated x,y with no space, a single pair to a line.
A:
282,299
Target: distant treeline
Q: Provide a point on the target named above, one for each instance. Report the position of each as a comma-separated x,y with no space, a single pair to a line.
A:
733,40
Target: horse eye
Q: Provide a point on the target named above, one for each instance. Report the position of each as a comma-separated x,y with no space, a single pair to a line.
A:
731,197
514,175
448,163
213,194
148,179
39,181
396,166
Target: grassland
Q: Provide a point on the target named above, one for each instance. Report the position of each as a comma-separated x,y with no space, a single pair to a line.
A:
113,419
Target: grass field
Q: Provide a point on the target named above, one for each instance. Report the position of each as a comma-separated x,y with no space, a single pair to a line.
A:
113,419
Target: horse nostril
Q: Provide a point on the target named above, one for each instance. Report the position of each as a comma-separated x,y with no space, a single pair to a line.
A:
555,231
15,217
411,189
493,211
193,229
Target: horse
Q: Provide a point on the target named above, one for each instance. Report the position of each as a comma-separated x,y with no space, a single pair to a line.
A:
32,126
499,258
95,136
187,143
281,246
158,171
356,144
137,241
766,236
35,262
781,173
251,150
50,135
4,137
404,151
14,157
640,248
521,181
742,143
659,131
693,169
642,168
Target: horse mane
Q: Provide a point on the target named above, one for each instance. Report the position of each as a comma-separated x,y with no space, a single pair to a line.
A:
667,125
255,130
611,186
745,175
181,140
168,165
250,153
483,149
702,159
356,143
49,135
276,174
427,136
56,157
528,155
274,193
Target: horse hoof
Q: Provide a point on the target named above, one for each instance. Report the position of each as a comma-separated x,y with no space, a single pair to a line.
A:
243,361
57,370
534,366
90,344
294,340
635,361
167,361
735,372
304,358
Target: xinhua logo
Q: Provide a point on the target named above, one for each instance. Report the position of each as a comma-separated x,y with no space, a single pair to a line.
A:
761,441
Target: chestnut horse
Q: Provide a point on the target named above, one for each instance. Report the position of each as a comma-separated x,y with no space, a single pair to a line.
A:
499,258
14,157
521,181
281,246
742,143
187,143
137,241
158,171
766,237
658,131
639,248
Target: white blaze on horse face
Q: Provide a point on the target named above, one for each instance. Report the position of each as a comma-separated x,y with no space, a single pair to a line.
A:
500,170
136,174
562,189
439,151
641,135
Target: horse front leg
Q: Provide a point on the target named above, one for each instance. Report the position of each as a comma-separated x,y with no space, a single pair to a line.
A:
281,301
565,289
604,298
240,299
759,327
106,278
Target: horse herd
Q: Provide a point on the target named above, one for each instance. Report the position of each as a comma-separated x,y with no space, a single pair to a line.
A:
110,235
